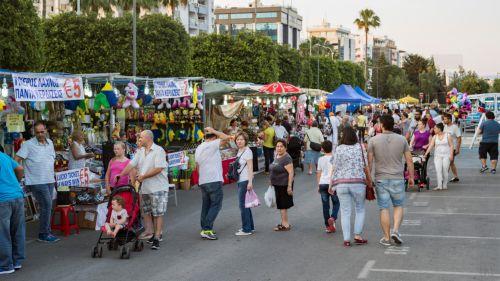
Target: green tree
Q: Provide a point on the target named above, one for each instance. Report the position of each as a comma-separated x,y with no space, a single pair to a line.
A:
468,82
174,4
92,6
247,57
413,65
398,86
20,36
430,84
496,86
289,64
367,19
310,47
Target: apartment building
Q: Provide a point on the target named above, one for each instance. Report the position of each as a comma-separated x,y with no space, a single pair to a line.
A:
282,24
196,17
340,37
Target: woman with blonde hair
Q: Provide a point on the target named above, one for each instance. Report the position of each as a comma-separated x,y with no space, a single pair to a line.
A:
77,153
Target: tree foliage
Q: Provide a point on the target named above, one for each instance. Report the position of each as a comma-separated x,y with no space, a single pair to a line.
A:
105,45
289,64
20,35
413,65
247,57
468,82
496,86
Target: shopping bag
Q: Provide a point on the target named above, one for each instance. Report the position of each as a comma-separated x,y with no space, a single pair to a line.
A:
270,197
251,199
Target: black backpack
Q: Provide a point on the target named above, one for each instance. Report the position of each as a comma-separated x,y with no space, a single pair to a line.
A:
233,173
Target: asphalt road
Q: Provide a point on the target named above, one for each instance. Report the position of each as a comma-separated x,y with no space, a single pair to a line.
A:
449,235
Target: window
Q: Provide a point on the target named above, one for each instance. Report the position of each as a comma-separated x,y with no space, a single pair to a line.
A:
223,29
236,28
223,16
241,16
268,29
267,15
284,18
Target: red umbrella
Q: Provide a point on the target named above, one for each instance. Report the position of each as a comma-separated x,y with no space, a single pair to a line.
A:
280,88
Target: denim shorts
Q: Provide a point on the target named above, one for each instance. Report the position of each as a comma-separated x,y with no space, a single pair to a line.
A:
390,191
311,157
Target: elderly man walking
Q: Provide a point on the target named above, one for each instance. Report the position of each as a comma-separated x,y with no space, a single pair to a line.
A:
38,155
151,164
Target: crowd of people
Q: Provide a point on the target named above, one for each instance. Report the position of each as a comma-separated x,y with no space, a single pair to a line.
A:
343,150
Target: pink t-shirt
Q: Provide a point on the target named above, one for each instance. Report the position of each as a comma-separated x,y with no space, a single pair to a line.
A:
115,168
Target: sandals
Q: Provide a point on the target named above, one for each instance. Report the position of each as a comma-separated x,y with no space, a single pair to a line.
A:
281,227
360,241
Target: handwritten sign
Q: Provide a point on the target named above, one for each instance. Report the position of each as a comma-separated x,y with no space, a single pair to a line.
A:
170,88
41,87
75,177
15,123
176,159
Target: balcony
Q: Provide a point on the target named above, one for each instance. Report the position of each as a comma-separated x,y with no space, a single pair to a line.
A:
203,25
193,24
203,9
193,7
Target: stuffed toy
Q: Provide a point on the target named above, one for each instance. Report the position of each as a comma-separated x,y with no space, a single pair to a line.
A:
198,134
164,104
195,94
131,93
156,121
176,103
101,102
2,105
182,134
13,106
116,131
170,134
171,117
163,118
198,102
107,90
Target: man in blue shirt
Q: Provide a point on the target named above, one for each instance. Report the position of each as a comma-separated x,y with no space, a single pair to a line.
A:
12,222
38,155
489,144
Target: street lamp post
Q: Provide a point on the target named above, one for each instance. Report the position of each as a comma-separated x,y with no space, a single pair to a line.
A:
134,38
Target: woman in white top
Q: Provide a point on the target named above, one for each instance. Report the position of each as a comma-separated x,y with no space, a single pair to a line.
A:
77,154
443,155
245,183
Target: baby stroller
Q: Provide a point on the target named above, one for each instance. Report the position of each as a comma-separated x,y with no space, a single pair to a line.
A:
129,234
421,179
295,151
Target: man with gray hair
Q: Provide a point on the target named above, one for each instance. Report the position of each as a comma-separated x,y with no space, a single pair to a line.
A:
151,164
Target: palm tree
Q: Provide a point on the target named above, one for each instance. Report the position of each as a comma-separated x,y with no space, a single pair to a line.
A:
367,19
126,5
173,4
87,6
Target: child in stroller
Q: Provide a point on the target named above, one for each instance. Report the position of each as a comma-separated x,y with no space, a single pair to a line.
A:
420,177
118,218
129,231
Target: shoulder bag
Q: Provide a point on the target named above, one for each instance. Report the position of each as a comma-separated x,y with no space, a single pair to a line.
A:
314,145
370,191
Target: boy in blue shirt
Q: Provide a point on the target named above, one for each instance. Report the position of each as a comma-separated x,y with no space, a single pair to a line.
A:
489,144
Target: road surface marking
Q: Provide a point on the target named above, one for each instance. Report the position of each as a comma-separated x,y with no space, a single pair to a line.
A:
420,204
451,236
412,222
460,197
366,269
369,268
449,213
396,250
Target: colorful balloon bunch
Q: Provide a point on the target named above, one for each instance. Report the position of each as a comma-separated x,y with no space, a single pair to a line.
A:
459,101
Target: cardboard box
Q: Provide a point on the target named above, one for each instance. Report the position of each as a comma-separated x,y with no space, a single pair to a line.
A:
87,219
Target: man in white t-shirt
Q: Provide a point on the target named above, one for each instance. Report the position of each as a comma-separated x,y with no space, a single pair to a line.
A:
209,166
152,172
334,136
280,130
456,135
323,176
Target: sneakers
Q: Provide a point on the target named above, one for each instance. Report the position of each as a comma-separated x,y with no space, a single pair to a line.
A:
454,180
156,244
208,234
384,242
17,266
243,233
484,169
47,238
493,171
397,238
331,224
8,271
150,240
437,188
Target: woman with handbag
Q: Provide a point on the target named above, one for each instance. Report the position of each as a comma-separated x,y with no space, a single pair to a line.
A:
281,178
245,160
314,138
350,176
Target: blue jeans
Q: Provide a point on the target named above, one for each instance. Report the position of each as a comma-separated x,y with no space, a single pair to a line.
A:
212,203
325,199
12,233
390,191
43,195
246,213
347,193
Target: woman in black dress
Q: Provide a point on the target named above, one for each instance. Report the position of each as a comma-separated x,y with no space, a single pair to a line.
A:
282,179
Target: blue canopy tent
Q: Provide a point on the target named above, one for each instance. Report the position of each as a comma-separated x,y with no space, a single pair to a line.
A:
365,95
346,94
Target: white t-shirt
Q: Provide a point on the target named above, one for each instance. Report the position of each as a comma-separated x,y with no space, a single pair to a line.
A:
155,158
280,132
245,156
454,133
209,162
335,130
396,118
325,167
122,214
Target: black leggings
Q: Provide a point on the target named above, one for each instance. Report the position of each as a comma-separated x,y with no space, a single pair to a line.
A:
268,157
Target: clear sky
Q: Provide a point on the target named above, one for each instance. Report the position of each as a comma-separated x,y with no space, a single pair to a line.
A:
470,28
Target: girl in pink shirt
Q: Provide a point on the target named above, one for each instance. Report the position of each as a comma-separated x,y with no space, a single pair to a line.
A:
116,166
